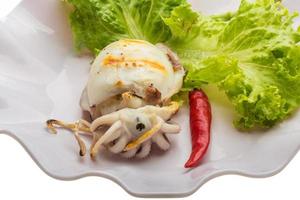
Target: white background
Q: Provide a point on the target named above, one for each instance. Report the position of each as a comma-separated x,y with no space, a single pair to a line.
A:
21,178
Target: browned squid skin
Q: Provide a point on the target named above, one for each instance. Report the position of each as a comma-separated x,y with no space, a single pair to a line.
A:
152,95
173,58
128,100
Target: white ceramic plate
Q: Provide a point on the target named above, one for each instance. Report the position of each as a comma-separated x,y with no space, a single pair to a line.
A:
41,78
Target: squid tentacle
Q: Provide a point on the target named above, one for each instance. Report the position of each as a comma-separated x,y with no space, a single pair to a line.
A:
119,145
107,135
129,154
170,128
116,139
161,141
104,120
145,149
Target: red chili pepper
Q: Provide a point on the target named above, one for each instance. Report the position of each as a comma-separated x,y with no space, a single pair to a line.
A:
200,121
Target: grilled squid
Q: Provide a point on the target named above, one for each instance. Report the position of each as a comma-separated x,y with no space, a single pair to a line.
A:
128,96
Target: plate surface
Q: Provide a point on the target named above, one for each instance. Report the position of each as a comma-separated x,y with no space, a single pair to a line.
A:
42,78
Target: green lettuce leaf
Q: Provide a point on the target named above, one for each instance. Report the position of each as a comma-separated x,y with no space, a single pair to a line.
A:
97,23
252,54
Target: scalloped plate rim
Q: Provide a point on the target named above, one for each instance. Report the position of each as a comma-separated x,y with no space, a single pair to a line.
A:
256,172
116,180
